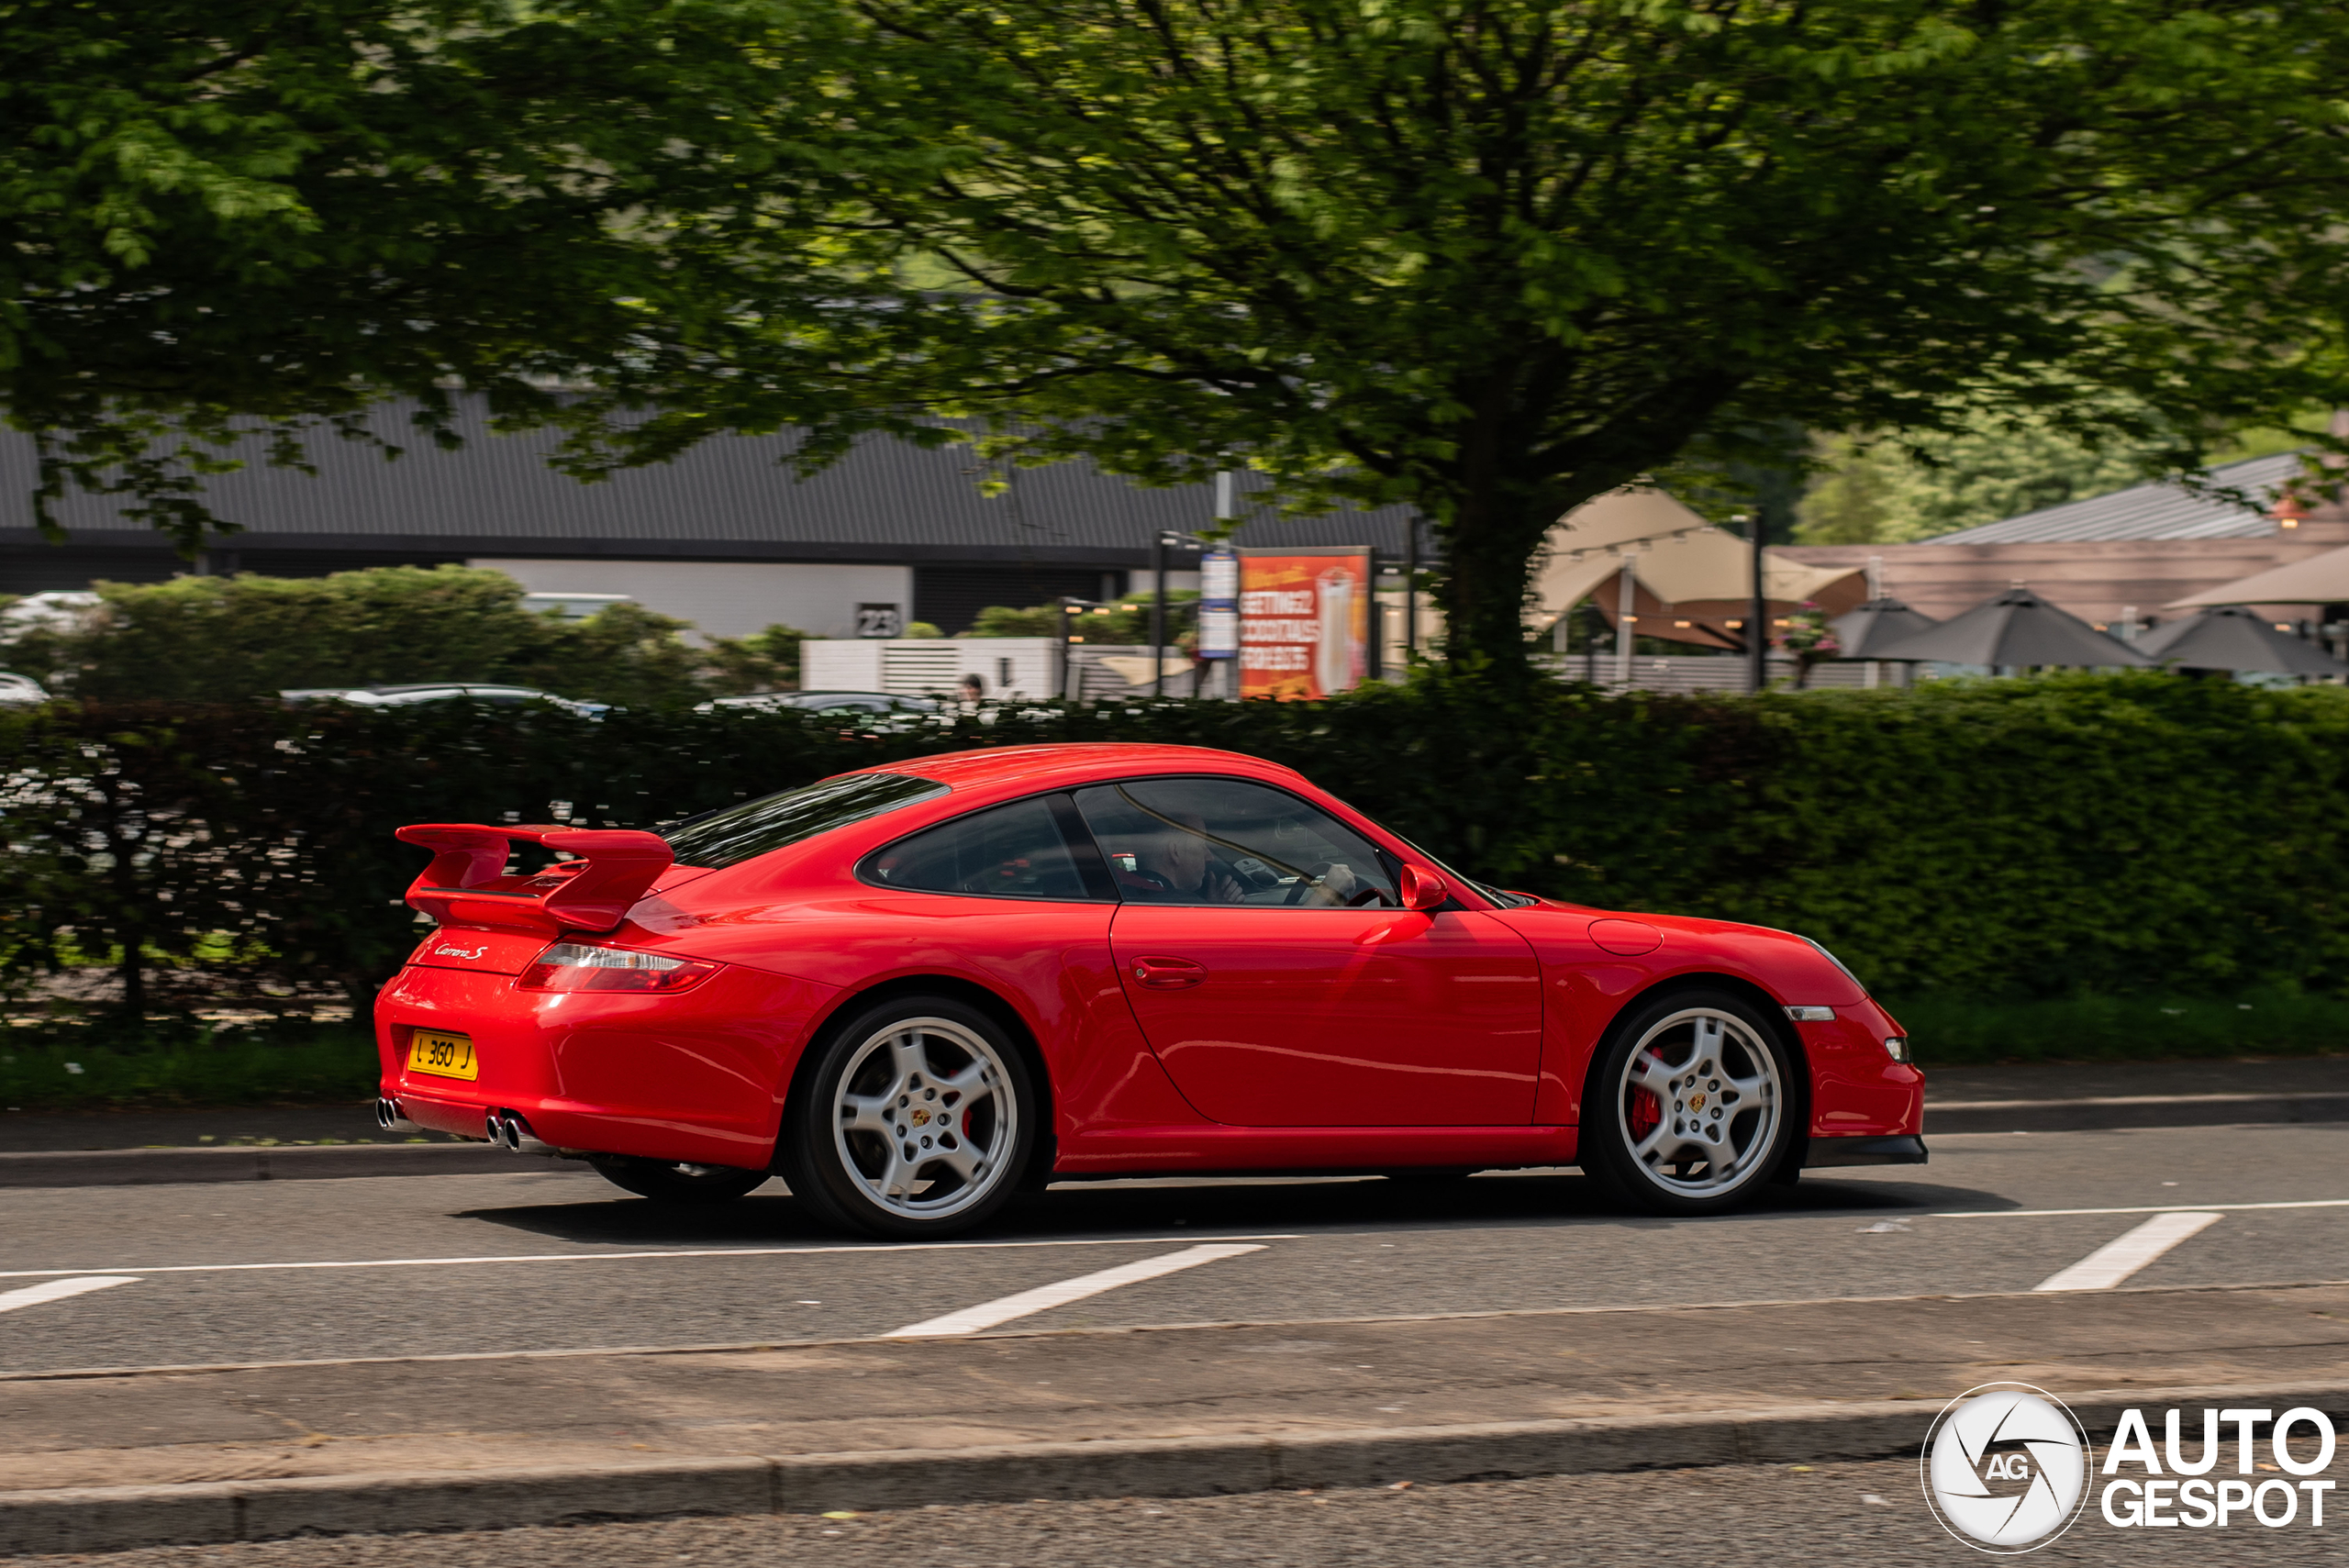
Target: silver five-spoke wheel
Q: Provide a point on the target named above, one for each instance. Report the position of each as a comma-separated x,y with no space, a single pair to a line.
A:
1694,1105
925,1120
914,1118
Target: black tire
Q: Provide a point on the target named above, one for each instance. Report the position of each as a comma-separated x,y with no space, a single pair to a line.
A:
916,1119
664,1182
1711,1126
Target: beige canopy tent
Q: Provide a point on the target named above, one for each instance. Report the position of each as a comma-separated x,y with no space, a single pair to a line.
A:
1690,581
2318,580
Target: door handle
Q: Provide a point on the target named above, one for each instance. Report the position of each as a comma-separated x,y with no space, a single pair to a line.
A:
1167,973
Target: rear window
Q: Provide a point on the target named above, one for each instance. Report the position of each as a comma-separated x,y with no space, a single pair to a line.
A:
736,833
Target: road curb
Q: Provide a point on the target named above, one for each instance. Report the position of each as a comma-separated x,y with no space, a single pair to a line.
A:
250,1162
2111,1113
120,1518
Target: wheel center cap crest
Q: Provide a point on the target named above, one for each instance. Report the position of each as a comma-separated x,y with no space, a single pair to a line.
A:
1697,1101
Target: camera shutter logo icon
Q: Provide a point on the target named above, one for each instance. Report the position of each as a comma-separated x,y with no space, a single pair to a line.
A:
2006,1468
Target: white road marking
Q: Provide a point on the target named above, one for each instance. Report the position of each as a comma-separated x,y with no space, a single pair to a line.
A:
59,1290
617,1257
988,1314
2119,1258
2144,1209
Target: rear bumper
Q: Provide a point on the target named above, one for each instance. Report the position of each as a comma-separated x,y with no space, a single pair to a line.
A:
699,1076
1908,1151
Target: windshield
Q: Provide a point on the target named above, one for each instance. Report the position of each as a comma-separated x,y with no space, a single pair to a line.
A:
735,833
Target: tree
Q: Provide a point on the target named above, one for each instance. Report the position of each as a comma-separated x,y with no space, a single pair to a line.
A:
1489,258
227,639
1493,258
268,213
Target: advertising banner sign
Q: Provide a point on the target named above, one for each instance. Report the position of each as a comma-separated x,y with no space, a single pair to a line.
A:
1304,621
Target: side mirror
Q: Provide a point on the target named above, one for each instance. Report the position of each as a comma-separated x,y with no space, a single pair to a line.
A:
1422,889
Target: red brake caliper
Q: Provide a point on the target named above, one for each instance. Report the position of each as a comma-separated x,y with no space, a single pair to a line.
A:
1646,1111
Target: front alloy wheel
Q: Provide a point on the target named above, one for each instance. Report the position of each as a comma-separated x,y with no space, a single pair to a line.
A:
916,1122
1690,1110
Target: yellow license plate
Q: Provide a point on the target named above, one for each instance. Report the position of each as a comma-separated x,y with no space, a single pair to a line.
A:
442,1056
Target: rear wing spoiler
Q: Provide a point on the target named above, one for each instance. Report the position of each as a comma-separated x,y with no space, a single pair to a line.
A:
466,884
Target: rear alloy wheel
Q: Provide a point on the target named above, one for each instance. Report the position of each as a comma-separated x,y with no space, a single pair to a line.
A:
666,1181
916,1121
1689,1109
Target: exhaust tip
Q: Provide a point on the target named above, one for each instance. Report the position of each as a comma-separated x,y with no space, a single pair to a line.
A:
388,1114
494,1128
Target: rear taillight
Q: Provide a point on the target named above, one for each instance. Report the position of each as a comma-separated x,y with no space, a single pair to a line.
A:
585,966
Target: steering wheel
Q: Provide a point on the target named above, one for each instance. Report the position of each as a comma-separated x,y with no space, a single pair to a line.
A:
1313,878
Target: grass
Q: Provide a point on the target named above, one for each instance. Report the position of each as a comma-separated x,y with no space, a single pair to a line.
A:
303,1065
53,1069
1950,1031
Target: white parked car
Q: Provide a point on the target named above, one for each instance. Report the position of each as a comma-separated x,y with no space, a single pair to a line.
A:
20,690
825,702
442,691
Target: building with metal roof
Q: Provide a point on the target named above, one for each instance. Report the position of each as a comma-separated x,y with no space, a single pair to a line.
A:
724,535
2114,559
2157,511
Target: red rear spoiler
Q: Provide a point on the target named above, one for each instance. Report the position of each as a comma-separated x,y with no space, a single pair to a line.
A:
465,886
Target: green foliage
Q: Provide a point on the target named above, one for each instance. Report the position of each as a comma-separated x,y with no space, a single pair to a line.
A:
283,1064
1490,261
1885,492
270,213
763,661
1487,260
1125,623
1950,1031
221,638
2070,835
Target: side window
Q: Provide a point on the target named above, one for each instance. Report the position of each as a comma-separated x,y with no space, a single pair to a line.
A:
1209,840
1008,851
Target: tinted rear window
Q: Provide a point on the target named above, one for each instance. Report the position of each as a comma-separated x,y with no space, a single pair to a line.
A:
736,833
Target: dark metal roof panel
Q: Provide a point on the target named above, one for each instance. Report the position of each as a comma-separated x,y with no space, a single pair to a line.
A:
887,494
2159,510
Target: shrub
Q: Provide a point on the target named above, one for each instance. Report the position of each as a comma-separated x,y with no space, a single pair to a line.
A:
221,638
2128,835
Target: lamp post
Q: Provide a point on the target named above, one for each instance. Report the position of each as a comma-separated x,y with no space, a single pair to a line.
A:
1758,613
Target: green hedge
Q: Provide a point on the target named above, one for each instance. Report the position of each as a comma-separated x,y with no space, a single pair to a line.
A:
2122,836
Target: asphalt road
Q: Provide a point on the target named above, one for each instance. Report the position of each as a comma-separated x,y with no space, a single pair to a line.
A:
292,1271
1726,1519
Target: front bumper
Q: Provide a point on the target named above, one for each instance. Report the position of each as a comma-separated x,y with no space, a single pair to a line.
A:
1908,1151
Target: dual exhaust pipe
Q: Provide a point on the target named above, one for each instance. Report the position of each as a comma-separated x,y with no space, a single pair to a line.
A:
508,1132
503,1128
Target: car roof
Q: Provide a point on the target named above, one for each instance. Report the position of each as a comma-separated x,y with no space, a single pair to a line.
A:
1074,763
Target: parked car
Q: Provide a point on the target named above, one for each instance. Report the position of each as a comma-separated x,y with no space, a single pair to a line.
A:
912,988
20,690
441,691
825,702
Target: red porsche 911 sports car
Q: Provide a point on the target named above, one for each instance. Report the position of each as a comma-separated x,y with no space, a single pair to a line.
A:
912,990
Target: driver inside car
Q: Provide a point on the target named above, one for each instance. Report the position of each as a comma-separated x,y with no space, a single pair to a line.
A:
1180,866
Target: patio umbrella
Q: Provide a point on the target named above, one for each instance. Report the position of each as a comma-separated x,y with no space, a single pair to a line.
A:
2018,628
2318,580
1877,624
2232,637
